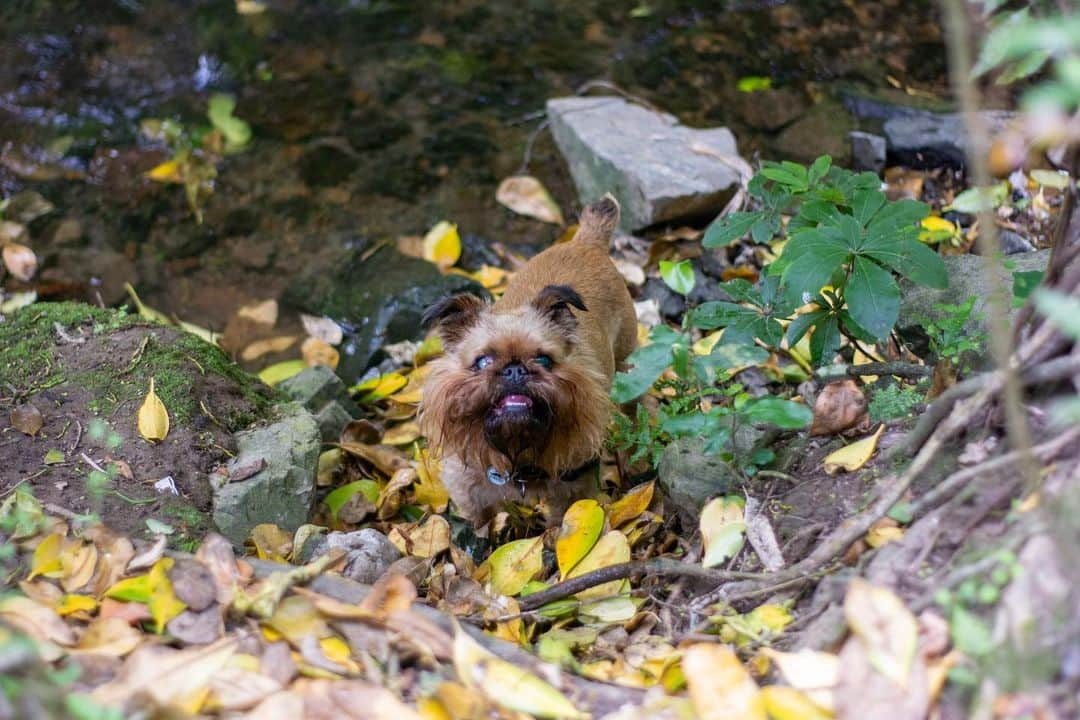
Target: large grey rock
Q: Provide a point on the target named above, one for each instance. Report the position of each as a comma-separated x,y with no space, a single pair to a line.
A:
823,130
868,151
272,477
690,477
646,159
926,137
966,278
368,553
323,393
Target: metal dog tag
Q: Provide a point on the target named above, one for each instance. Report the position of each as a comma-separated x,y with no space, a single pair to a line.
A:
495,477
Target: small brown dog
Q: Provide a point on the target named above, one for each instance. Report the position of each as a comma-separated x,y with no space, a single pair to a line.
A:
518,405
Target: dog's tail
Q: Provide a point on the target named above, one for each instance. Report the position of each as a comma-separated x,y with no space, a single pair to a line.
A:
598,222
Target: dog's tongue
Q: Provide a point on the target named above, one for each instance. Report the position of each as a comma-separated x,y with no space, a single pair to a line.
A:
515,402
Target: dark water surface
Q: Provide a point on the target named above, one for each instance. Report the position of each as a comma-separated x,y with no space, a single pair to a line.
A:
377,119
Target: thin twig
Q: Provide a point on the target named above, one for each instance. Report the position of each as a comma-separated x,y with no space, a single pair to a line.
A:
958,36
900,369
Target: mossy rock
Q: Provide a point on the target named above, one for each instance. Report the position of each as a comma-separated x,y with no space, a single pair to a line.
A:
87,370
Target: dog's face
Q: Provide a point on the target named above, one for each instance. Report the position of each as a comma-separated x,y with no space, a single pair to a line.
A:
507,392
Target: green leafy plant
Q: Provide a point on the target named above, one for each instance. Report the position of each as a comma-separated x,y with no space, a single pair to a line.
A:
699,399
196,152
950,338
844,241
892,402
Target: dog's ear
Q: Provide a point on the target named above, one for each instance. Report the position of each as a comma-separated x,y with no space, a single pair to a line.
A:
554,303
453,316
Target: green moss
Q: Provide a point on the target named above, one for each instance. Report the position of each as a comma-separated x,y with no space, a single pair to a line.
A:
28,338
28,361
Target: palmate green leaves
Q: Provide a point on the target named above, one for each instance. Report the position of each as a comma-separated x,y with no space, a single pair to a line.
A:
858,253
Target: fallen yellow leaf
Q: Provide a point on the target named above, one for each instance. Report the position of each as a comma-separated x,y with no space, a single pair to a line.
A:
814,673
854,456
166,172
46,558
581,527
723,528
442,245
514,564
153,418
319,352
274,374
633,503
428,488
506,684
612,549
785,703
887,629
720,687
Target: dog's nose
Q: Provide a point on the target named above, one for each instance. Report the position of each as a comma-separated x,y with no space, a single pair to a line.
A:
515,373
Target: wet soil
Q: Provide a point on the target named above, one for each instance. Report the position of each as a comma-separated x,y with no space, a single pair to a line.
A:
87,372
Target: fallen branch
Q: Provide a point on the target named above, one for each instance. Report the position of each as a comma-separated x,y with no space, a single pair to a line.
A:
899,369
665,567
597,698
943,491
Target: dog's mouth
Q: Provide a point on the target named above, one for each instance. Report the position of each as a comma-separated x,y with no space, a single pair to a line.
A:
515,404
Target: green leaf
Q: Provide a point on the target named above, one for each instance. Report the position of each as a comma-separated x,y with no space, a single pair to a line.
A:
817,253
873,297
1024,282
975,200
802,324
726,357
819,169
729,228
897,218
970,635
679,276
741,290
753,83
715,314
237,132
648,363
787,175
865,204
825,341
912,259
336,499
779,412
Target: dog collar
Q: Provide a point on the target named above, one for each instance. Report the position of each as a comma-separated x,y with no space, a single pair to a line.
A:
531,473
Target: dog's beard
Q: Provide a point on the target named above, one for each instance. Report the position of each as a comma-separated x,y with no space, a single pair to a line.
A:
519,425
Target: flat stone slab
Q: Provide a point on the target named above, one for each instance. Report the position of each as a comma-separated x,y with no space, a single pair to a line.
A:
656,168
938,136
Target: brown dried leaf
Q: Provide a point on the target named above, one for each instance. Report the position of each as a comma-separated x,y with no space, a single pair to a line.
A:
216,555
317,352
20,261
111,636
27,419
839,406
257,349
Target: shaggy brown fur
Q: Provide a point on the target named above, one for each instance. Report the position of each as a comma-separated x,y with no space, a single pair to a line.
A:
494,402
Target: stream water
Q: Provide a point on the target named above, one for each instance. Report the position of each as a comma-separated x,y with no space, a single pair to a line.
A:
376,119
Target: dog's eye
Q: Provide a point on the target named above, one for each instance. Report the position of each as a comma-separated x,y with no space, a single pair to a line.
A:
482,362
544,361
